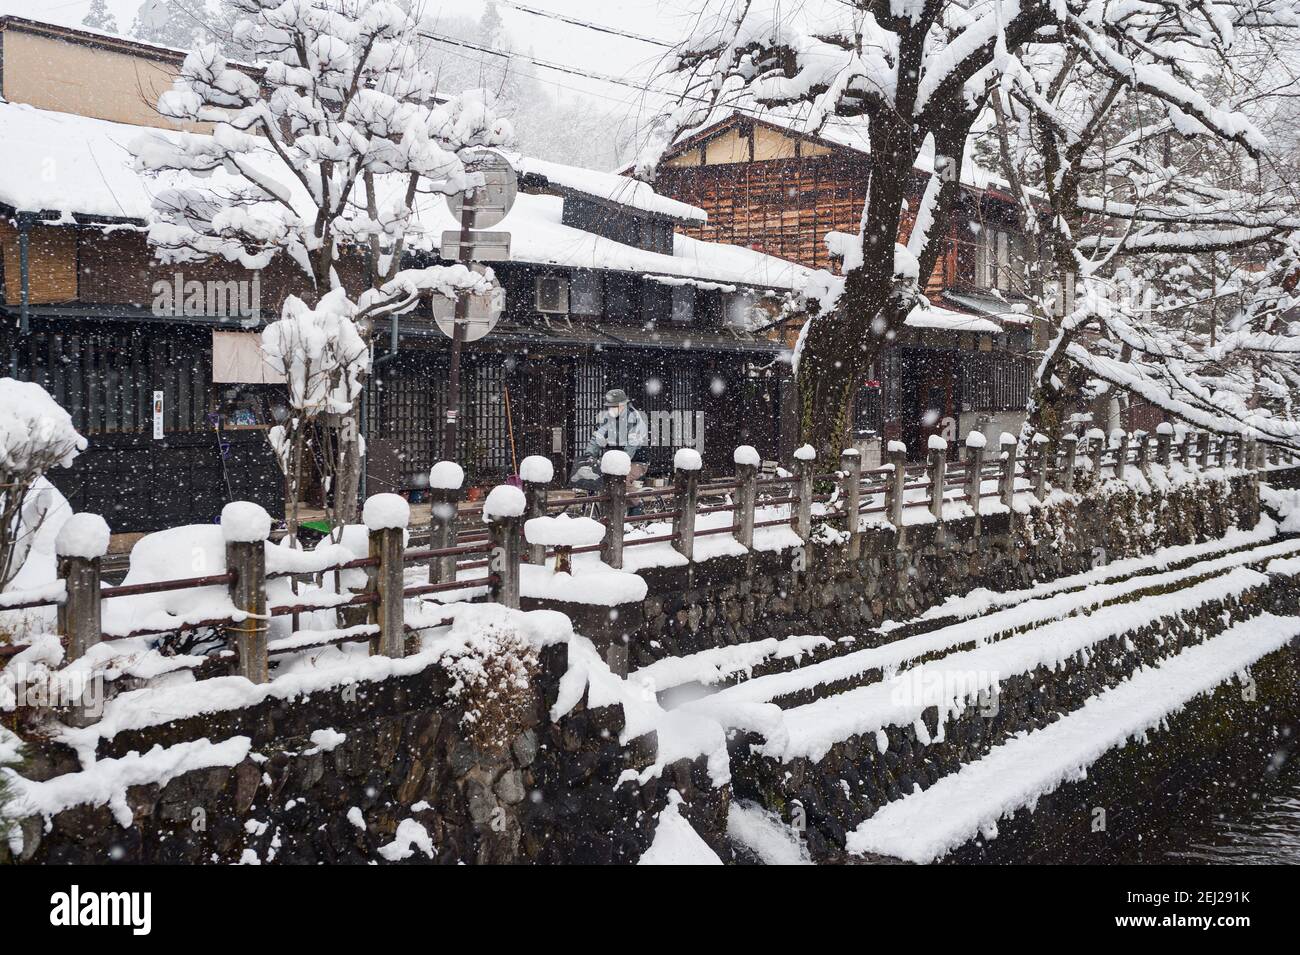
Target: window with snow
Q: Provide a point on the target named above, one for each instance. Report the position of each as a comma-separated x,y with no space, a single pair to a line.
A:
552,295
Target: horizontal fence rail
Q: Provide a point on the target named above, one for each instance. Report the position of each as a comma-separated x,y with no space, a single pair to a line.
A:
478,552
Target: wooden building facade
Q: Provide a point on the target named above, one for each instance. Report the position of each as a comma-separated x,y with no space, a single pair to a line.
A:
772,187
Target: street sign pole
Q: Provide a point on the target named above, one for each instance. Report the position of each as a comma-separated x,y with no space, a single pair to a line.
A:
481,206
451,423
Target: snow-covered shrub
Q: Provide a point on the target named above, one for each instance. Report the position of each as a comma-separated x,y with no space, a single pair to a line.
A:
494,672
35,436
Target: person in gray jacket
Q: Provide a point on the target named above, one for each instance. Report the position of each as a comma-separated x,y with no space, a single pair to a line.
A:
621,427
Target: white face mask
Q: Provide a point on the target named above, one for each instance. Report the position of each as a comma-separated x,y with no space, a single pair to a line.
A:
615,410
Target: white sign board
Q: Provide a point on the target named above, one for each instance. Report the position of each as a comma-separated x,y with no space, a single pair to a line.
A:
492,201
482,247
157,415
482,314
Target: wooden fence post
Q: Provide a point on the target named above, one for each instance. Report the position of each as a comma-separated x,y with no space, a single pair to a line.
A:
1097,447
937,470
1008,488
503,512
851,494
975,444
445,481
1069,450
746,460
536,472
805,458
1203,451
1120,439
386,517
1040,443
1185,448
79,545
686,467
245,527
1164,444
1143,458
894,487
614,468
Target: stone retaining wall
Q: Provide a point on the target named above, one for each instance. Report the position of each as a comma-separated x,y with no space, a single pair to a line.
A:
819,590
550,795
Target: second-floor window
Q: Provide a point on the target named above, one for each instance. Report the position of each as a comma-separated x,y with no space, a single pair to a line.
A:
999,259
585,293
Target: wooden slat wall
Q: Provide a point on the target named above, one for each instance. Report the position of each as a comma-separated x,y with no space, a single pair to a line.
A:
52,260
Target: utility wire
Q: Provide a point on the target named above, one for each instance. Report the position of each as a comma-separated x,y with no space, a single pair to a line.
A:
574,21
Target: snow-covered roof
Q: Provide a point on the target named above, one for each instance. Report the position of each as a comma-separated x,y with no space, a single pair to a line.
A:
607,187
65,165
937,318
848,134
538,235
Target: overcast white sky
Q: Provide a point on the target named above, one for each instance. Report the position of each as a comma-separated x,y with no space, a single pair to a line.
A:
543,37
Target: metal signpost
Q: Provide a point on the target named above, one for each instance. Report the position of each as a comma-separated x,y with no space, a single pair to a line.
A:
473,316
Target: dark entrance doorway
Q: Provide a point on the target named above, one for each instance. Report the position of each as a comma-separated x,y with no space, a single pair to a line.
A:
541,396
929,399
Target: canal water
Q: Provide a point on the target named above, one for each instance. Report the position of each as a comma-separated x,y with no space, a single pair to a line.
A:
1261,828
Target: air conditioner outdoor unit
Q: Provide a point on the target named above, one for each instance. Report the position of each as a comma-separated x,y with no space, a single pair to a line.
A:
552,295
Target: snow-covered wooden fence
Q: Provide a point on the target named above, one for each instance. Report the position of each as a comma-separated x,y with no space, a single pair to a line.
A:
477,551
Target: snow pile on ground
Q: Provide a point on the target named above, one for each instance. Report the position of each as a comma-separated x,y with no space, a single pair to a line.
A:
676,842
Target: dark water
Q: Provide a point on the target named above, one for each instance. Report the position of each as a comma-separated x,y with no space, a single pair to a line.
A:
1262,828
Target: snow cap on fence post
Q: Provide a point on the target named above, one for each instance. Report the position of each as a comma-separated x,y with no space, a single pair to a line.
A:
244,522
938,470
686,479
615,463
383,512
83,535
503,510
386,517
446,476
445,481
535,472
976,439
801,517
747,464
245,526
81,542
687,459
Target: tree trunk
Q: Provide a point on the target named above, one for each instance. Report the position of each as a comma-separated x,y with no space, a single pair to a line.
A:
347,482
831,362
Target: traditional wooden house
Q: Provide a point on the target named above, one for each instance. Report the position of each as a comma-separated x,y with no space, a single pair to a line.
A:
962,364
159,365
602,291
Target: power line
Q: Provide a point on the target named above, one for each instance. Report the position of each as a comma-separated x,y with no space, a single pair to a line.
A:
599,28
545,64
